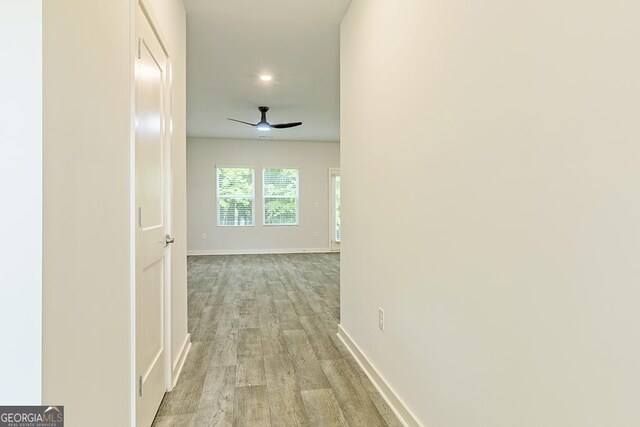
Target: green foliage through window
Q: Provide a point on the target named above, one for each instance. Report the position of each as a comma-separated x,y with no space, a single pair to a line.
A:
235,196
280,196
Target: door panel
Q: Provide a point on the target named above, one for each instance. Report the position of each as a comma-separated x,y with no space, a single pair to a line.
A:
151,144
149,314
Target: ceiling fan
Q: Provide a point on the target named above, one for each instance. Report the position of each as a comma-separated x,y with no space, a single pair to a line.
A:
263,125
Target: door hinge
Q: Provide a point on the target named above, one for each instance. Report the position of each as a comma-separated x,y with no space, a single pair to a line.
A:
140,386
140,217
139,48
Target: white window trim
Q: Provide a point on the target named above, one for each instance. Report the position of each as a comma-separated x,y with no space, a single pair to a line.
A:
241,196
264,197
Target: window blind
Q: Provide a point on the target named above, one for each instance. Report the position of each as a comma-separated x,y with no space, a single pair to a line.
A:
280,192
236,195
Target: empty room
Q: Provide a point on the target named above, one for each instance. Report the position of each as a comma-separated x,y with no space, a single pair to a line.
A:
263,218
320,213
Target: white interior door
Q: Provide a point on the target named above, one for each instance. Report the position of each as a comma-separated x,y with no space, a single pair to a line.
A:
334,229
151,150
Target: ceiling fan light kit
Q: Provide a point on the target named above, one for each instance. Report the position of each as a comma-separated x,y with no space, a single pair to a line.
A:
264,126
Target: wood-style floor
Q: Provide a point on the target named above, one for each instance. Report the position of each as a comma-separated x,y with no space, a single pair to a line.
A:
265,350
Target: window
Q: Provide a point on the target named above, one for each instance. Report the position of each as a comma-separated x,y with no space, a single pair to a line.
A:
236,196
280,191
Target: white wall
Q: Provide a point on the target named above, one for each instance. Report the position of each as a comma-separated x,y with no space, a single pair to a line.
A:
86,282
312,158
21,213
503,237
87,221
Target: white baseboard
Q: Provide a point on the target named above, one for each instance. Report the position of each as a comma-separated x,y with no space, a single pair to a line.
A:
257,251
404,414
177,367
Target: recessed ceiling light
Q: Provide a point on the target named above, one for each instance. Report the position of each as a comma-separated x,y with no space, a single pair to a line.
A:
266,78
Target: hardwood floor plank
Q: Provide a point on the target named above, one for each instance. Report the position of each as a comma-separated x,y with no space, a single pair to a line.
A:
225,348
175,421
249,342
310,374
353,399
250,371
286,315
276,290
280,372
185,397
286,408
308,369
217,400
265,304
216,296
384,409
228,312
299,304
248,321
273,341
197,303
320,341
205,329
251,407
248,306
268,321
298,342
323,409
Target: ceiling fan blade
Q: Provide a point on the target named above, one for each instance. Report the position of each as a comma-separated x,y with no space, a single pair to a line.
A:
240,121
286,125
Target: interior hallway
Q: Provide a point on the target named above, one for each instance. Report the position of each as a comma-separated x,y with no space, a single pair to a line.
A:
265,350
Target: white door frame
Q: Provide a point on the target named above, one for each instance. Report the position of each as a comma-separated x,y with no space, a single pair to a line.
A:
333,245
168,199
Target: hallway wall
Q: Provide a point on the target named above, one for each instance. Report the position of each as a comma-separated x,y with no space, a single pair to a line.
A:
498,143
88,215
21,213
312,158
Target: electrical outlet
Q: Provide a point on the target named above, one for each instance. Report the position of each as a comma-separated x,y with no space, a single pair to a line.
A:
204,236
381,319
316,234
316,205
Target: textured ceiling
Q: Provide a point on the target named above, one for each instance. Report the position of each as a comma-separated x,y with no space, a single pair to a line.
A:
230,43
